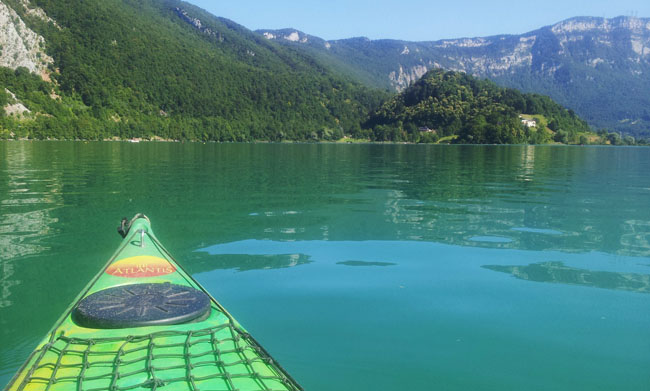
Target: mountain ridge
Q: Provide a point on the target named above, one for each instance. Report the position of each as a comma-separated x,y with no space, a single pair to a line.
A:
599,66
167,69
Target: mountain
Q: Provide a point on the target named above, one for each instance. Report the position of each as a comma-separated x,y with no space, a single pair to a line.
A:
161,68
599,67
468,110
166,69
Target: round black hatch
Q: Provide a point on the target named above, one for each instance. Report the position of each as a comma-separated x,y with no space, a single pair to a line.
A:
140,305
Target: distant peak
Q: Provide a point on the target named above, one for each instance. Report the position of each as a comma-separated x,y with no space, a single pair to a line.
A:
587,23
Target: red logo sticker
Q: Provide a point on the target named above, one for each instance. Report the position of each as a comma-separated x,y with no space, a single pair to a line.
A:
140,266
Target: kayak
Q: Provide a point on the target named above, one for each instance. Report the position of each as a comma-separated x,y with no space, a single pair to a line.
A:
142,323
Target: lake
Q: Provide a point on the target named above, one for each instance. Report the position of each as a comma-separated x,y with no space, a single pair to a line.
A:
359,267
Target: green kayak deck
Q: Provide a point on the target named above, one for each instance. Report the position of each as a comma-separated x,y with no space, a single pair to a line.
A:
144,324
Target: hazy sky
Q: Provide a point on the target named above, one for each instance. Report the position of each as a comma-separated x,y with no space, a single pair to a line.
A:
414,20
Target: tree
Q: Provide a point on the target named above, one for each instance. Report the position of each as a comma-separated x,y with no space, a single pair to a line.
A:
561,137
4,99
614,138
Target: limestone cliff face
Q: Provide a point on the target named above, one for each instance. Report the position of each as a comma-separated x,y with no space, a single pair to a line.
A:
629,34
403,78
197,23
622,43
289,35
587,41
519,55
19,45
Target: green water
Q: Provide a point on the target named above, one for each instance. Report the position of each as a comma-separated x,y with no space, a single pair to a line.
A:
359,267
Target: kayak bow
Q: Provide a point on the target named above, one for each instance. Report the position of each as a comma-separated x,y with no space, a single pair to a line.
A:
144,324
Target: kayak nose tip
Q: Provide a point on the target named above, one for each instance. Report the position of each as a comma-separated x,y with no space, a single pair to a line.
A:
126,224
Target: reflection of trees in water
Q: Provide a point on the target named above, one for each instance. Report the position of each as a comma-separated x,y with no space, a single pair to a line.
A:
27,196
451,193
636,236
557,272
438,193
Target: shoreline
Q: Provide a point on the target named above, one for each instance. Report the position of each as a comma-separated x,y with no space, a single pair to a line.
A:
334,142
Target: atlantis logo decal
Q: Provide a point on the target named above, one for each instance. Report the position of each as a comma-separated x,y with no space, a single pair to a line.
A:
141,266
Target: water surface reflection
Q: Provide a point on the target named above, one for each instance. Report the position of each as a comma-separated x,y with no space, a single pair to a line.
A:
28,195
379,236
204,261
558,273
365,263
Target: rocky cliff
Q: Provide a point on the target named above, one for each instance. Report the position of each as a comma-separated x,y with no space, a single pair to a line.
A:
19,45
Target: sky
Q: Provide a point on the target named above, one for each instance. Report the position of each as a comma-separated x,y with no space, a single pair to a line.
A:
414,20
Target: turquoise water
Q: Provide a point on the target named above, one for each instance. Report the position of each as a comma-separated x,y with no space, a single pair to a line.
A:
366,267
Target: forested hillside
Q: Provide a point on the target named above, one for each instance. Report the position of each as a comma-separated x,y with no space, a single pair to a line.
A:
144,68
461,108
